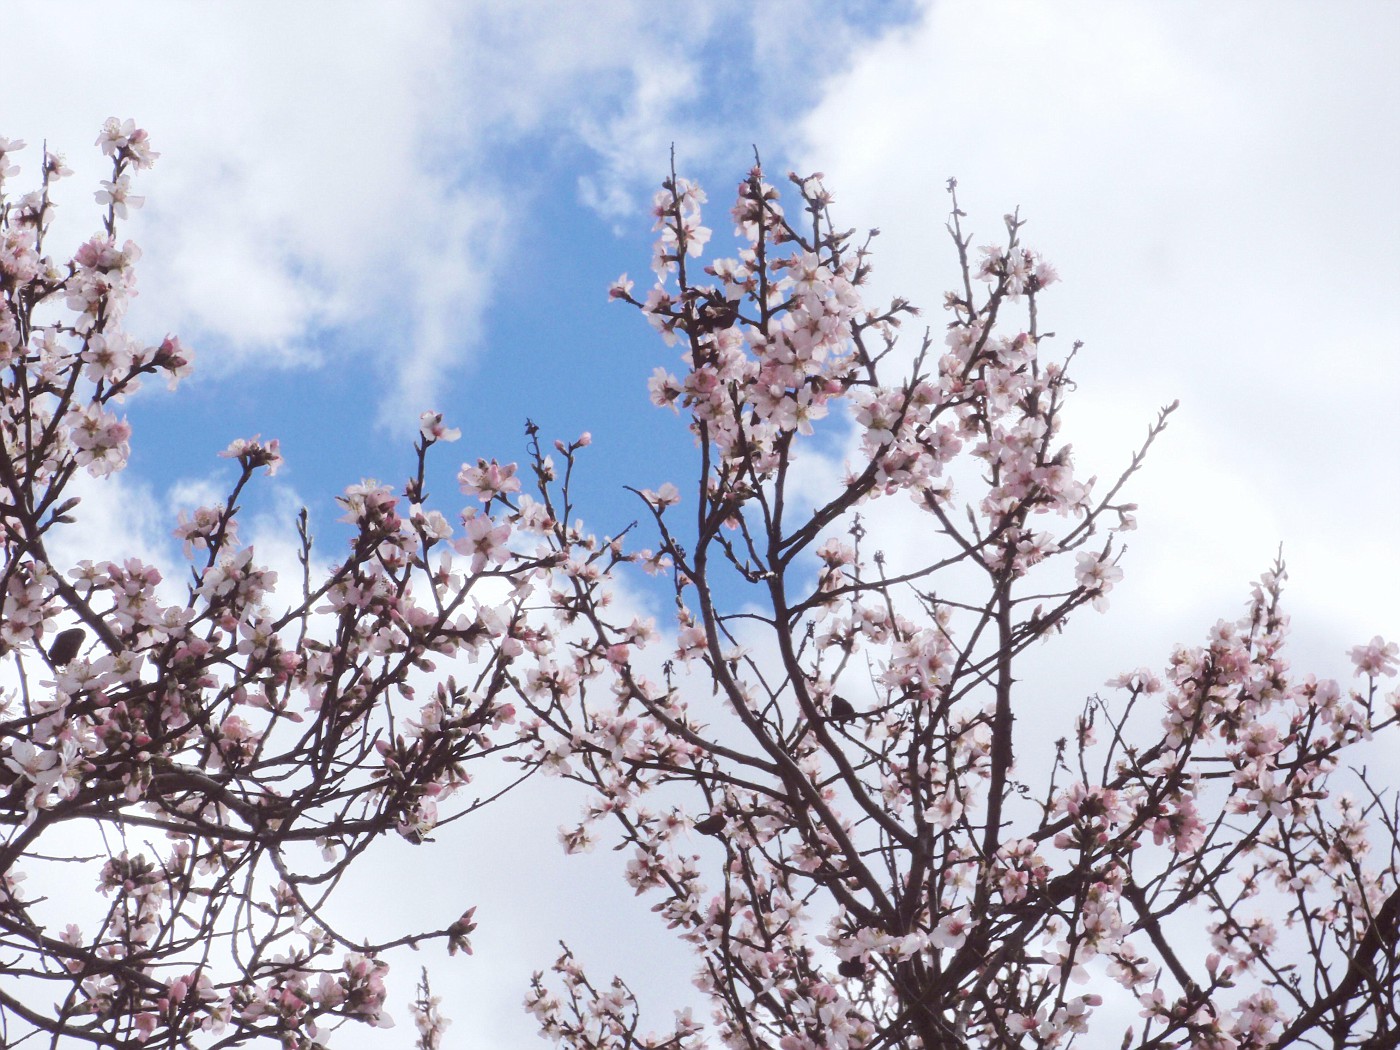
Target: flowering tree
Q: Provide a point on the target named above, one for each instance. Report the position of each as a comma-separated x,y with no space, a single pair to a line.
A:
843,723
817,771
217,759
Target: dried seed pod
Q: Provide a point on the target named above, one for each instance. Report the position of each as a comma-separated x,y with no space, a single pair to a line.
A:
66,645
711,825
841,709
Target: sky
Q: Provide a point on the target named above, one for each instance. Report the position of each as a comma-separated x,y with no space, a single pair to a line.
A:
365,210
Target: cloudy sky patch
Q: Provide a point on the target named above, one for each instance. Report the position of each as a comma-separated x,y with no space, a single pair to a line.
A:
365,210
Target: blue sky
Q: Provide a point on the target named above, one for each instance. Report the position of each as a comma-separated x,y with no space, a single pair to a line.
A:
343,257
364,210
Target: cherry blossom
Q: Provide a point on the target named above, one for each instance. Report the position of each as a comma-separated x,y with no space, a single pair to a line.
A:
230,725
824,762
875,874
1378,657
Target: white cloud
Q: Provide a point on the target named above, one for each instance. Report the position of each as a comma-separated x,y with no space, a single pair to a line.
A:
338,173
119,517
1212,185
302,183
360,176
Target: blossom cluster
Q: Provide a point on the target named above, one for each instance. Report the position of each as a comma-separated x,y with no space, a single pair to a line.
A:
822,772
235,724
820,788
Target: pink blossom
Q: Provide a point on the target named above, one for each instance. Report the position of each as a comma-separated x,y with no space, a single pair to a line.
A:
1097,576
124,138
431,426
951,932
488,481
666,496
253,452
1377,657
485,541
117,193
